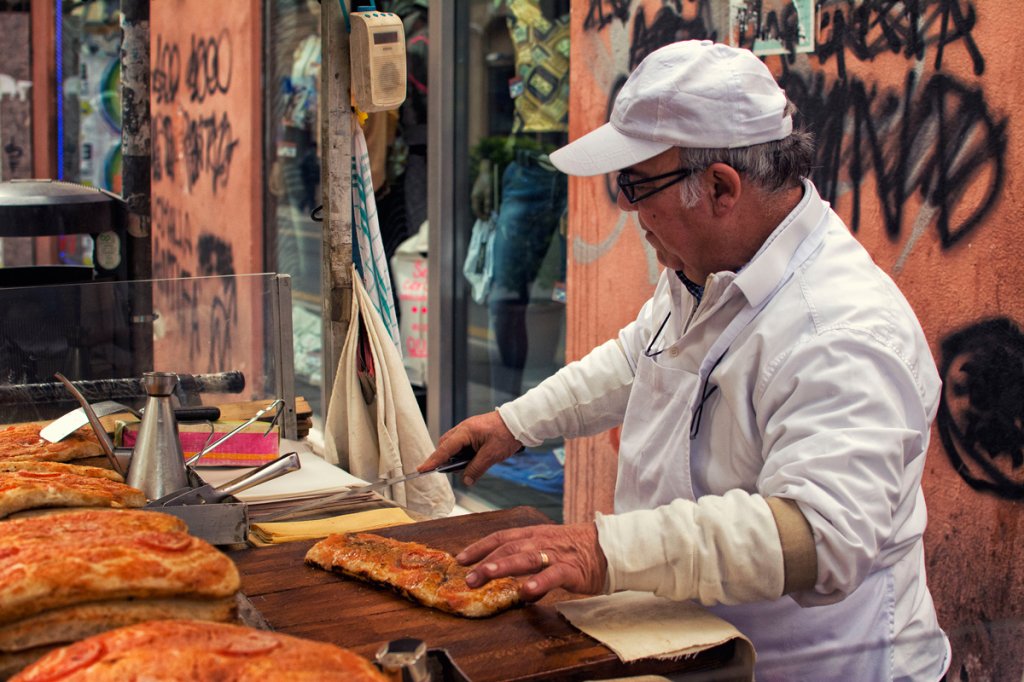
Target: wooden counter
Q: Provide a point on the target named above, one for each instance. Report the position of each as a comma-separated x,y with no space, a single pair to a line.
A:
532,643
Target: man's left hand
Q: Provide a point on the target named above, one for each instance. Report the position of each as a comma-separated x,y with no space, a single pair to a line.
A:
575,561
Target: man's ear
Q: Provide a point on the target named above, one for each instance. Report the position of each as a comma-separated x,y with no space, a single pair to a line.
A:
726,187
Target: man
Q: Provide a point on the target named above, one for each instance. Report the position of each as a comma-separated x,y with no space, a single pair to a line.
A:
775,395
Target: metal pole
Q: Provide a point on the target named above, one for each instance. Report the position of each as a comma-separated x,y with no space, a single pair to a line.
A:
336,174
136,158
136,148
440,212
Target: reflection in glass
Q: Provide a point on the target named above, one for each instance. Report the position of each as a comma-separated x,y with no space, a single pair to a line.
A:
294,239
516,82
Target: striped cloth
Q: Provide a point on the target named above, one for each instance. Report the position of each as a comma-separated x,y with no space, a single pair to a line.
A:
369,258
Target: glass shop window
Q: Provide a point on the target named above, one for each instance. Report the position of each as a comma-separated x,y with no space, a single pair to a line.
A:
293,163
515,113
88,73
397,143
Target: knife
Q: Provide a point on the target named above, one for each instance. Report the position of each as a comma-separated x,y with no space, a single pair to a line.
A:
458,462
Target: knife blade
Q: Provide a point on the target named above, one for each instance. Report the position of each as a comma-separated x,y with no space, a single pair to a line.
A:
458,462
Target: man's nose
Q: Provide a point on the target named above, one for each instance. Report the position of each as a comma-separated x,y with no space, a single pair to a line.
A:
623,202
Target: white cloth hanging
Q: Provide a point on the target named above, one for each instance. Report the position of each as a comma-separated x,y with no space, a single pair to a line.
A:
388,436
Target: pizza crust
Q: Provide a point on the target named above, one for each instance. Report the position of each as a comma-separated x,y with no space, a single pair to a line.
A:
23,442
58,561
11,663
72,623
190,651
61,468
21,490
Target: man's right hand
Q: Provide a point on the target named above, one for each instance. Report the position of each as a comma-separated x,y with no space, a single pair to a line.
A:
485,433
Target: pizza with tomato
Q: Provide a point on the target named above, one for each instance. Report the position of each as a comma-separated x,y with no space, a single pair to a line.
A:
28,489
57,561
23,442
61,468
423,575
190,651
77,574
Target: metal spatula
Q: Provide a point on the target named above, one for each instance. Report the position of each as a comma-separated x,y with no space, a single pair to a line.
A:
77,418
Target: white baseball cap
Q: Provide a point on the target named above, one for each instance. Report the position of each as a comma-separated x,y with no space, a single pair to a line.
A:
693,93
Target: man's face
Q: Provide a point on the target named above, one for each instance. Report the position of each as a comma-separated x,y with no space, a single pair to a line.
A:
681,236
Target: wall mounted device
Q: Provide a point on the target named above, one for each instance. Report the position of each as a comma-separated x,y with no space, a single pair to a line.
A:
377,47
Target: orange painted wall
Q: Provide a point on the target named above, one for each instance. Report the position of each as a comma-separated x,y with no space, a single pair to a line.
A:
206,104
920,151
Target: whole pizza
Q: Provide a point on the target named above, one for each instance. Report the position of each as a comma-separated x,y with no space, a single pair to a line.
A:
77,574
185,650
23,442
58,561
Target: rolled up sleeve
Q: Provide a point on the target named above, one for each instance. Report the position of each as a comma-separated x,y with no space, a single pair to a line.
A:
844,422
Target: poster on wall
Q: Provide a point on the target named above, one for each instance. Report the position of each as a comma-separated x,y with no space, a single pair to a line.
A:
772,26
100,72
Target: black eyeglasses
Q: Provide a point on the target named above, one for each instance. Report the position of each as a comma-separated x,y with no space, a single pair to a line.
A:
631,187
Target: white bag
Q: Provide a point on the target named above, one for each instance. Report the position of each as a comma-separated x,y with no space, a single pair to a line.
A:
410,267
479,265
386,437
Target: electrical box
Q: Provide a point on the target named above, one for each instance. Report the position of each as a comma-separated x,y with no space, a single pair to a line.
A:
377,47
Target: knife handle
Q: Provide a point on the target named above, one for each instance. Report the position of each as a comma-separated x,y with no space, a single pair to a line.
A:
459,461
196,414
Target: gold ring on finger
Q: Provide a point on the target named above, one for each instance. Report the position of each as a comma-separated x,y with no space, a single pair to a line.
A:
544,561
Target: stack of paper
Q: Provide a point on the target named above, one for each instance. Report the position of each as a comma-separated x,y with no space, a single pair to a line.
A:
276,533
316,478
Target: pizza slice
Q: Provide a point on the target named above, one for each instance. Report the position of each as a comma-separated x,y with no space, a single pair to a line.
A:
23,442
21,490
417,572
59,561
189,651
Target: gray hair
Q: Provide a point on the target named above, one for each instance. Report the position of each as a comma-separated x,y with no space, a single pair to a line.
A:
769,166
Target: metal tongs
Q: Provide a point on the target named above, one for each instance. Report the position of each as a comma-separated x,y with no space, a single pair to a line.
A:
210,446
207,494
458,462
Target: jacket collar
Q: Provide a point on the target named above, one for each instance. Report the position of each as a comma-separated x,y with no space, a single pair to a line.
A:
758,278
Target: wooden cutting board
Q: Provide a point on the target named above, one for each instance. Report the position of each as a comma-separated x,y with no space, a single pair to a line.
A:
531,643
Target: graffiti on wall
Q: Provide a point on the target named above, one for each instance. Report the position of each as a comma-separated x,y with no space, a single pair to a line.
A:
204,218
935,137
981,416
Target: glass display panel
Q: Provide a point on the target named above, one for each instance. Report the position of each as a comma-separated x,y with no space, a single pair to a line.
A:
220,329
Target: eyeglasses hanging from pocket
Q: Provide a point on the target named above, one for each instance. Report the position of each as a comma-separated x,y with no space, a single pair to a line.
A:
705,395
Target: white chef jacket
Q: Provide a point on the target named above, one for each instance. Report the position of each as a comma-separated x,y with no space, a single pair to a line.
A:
826,390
